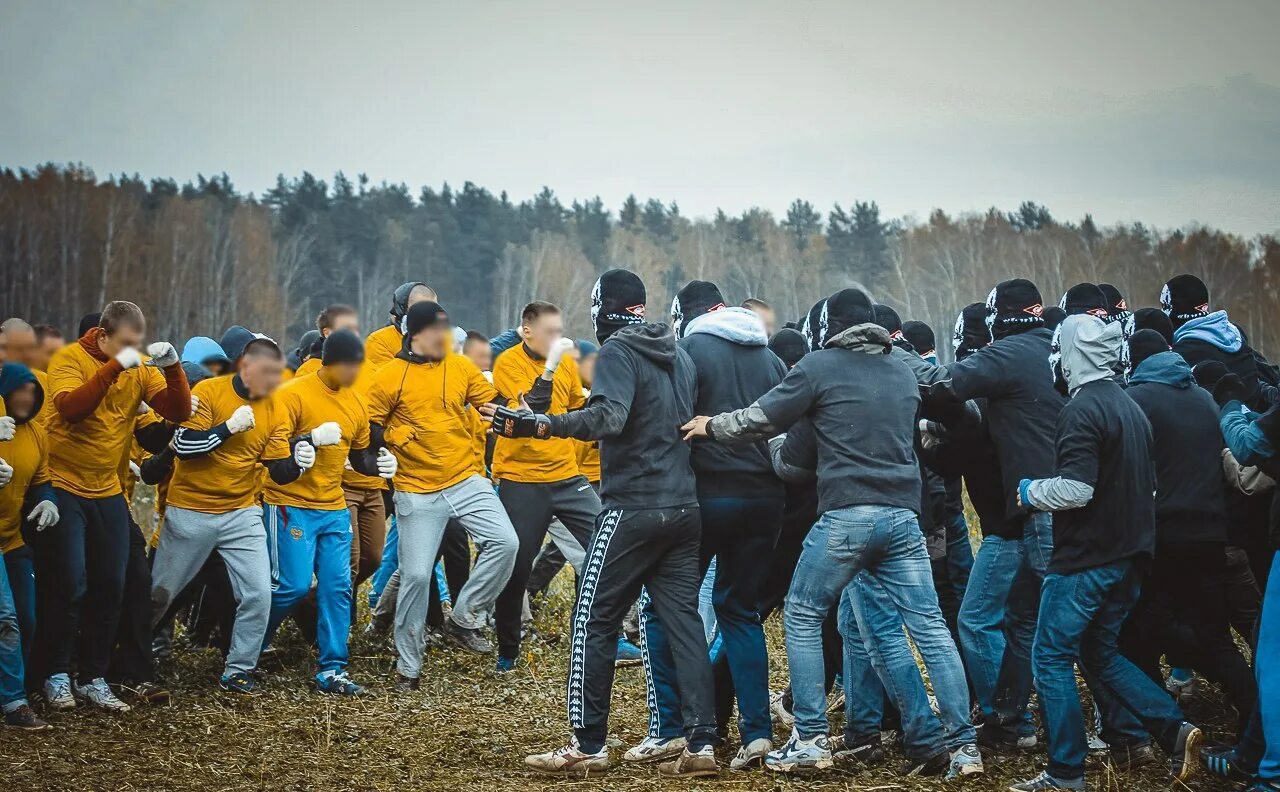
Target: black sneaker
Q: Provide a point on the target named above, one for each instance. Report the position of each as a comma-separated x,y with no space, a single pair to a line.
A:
466,638
1224,762
24,718
933,766
995,741
866,752
240,683
145,693
1186,750
1126,758
405,684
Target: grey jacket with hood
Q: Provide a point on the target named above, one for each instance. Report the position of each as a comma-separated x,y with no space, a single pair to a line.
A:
862,403
729,349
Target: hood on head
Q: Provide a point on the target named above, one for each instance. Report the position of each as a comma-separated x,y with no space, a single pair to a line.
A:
198,349
15,375
1166,368
400,300
1213,329
195,372
652,341
740,325
234,341
868,337
1090,350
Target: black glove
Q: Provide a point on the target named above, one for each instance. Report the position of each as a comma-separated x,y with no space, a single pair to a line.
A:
521,423
1227,389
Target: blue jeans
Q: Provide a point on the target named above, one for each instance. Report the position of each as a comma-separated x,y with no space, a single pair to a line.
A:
1268,672
390,562
12,690
303,543
863,692
739,534
20,565
959,555
886,543
1080,618
982,617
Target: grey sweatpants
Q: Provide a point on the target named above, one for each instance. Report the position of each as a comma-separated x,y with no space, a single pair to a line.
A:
187,539
421,520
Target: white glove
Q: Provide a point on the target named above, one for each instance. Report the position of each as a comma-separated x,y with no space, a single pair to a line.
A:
241,420
488,376
134,469
195,403
143,408
326,434
557,351
129,358
387,463
162,354
7,427
43,515
6,473
304,454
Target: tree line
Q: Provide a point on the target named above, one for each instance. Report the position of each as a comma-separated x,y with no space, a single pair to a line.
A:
202,255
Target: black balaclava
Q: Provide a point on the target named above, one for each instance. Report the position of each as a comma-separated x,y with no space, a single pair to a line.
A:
1084,298
87,323
1153,319
342,346
421,316
1143,345
307,342
617,300
1117,307
789,345
1053,316
808,325
887,318
920,336
1014,306
842,310
400,301
1184,298
695,299
970,332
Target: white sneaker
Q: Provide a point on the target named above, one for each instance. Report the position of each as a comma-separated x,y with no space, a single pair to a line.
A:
98,693
965,761
752,754
568,760
780,713
799,756
57,693
655,749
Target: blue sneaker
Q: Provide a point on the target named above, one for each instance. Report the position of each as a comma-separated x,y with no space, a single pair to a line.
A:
1045,782
238,682
337,683
799,756
1224,762
628,654
505,665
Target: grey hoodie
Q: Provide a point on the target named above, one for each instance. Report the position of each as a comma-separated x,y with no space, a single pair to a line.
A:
863,406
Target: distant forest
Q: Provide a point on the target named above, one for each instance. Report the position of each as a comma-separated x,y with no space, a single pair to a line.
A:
201,256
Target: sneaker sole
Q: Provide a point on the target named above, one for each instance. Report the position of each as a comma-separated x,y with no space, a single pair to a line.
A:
626,663
65,706
573,772
1191,755
690,774
798,768
652,758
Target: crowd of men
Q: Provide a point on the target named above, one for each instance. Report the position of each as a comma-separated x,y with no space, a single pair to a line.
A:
696,476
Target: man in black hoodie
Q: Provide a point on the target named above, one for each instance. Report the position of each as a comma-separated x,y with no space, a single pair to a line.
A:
741,501
648,534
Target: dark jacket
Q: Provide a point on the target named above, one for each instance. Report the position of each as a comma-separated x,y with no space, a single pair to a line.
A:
735,367
643,392
969,451
1190,487
1213,337
863,405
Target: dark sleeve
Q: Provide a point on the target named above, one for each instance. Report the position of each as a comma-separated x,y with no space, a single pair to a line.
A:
365,460
613,391
282,471
984,373
1079,446
157,468
770,414
539,396
40,492
795,454
154,437
192,443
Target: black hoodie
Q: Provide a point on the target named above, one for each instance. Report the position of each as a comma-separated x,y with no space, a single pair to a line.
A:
644,461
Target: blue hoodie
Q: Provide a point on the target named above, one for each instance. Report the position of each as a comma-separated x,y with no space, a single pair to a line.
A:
14,375
1165,368
1213,329
200,349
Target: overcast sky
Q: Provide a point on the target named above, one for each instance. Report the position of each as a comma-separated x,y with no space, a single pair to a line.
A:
1166,112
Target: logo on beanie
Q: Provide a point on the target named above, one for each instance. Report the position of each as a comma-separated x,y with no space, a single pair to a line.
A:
1122,305
636,310
716,307
1203,308
1101,313
1036,310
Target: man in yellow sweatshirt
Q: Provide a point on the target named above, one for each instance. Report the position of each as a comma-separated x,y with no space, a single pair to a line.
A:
539,480
308,525
421,400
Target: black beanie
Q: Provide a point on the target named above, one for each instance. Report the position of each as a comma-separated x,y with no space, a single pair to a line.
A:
842,310
617,300
1053,316
1153,319
307,343
1208,372
234,341
1143,345
789,345
887,318
1117,307
970,332
1014,306
1184,298
342,346
808,325
87,323
423,315
920,336
400,300
1084,298
695,299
